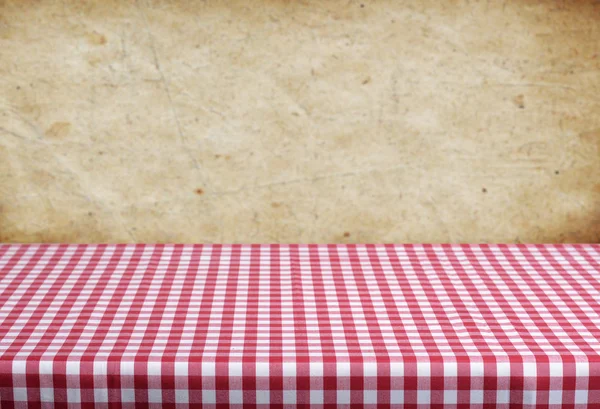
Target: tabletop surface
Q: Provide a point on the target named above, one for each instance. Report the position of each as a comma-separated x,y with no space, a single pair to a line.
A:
527,310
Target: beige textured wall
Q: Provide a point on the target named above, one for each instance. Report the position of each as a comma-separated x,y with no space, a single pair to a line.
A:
300,121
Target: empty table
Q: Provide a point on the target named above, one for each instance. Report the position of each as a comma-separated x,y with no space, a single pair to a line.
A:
403,326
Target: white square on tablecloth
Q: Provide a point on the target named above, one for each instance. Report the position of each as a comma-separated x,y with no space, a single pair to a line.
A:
581,397
46,367
529,370
582,370
101,395
100,368
343,397
476,396
235,369
316,397
263,397
423,369
209,397
555,397
127,368
20,394
342,369
503,369
154,368
208,369
450,397
503,396
154,396
73,368
397,369
396,397
316,369
556,369
182,396
19,367
450,369
127,395
529,397
370,368
423,397
369,397
262,369
289,397
236,397
74,395
181,368
289,369
476,369
46,394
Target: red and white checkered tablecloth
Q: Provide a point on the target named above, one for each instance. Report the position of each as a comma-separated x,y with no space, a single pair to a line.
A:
403,326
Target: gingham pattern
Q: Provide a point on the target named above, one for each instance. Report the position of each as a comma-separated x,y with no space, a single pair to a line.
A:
403,326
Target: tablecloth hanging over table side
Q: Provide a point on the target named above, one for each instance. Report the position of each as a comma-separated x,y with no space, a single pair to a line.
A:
403,326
